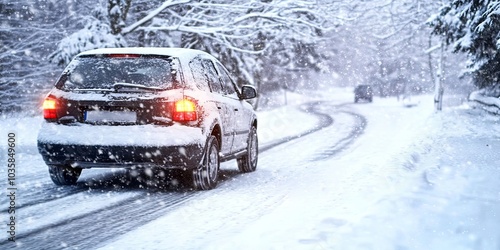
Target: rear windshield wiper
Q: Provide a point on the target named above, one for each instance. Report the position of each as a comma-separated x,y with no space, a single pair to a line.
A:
93,90
120,85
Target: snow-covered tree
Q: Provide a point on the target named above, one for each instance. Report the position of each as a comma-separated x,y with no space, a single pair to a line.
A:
473,27
29,31
102,30
393,38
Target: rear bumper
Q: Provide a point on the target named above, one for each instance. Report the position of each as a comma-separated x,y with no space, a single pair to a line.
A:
87,146
85,156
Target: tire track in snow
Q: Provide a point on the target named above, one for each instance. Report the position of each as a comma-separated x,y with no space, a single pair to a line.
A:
342,144
325,120
109,181
103,224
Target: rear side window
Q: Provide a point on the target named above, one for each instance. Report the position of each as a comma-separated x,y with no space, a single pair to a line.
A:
213,79
201,79
102,72
227,83
205,74
363,88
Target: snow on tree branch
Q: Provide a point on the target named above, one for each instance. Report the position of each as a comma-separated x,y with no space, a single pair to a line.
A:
95,35
152,14
235,19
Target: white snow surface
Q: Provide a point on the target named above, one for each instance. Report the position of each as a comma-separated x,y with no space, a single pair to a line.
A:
143,135
414,179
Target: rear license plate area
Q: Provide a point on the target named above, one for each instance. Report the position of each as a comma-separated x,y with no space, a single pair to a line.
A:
110,117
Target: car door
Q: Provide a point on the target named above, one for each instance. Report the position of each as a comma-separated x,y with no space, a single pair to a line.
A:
224,106
241,112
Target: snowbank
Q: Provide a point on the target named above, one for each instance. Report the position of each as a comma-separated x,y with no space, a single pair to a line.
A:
480,100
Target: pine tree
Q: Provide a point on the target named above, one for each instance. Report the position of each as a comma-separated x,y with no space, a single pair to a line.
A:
473,27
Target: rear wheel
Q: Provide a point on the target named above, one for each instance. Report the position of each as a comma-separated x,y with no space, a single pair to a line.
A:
64,174
248,162
206,176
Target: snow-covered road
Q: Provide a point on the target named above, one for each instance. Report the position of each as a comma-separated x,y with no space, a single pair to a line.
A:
331,175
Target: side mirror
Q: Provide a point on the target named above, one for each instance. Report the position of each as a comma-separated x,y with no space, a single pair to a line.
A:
248,92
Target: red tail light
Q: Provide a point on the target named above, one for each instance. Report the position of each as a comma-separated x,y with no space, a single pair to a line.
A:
50,108
184,110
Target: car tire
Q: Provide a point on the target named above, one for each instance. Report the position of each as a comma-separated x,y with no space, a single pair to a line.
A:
248,162
205,177
64,174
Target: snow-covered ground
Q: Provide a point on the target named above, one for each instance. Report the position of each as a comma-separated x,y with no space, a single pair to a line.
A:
382,175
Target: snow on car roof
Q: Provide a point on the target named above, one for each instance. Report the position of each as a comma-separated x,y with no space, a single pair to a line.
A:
175,52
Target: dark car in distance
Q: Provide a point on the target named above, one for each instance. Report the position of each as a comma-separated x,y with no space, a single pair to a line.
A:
363,92
147,107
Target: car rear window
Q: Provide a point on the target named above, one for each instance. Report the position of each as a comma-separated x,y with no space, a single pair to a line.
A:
101,72
363,88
